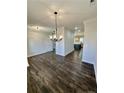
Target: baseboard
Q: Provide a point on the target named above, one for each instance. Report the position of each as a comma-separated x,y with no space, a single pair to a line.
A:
95,68
35,54
88,63
69,52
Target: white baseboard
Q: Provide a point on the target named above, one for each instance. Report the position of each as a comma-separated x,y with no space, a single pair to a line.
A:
34,54
95,67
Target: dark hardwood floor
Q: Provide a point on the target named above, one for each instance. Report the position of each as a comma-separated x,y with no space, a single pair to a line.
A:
51,73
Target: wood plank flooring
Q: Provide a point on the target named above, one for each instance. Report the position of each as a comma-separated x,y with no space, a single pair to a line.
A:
51,73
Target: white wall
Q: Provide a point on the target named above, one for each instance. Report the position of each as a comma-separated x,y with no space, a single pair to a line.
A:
90,43
69,41
60,45
38,42
65,46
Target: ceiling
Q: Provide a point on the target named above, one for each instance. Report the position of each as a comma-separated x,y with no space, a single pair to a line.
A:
71,13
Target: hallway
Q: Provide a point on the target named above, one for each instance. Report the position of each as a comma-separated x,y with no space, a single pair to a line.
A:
75,56
51,73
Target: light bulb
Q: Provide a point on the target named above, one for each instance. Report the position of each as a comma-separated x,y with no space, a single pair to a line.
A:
50,37
54,37
60,37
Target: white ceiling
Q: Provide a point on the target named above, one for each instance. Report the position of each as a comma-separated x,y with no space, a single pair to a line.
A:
71,12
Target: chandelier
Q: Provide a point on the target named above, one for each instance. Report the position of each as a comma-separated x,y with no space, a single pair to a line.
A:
54,37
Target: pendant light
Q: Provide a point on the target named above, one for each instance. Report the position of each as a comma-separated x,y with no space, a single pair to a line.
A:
55,37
